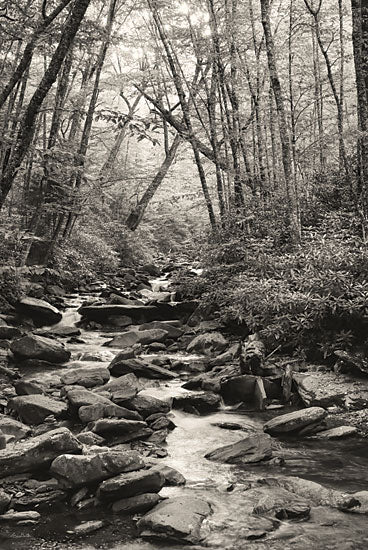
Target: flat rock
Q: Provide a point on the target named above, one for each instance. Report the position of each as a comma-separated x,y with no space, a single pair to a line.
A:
112,426
30,515
202,403
177,520
138,504
207,343
141,369
79,470
90,439
38,347
88,527
252,449
33,409
90,413
131,484
128,339
38,452
140,313
41,312
334,433
88,377
294,421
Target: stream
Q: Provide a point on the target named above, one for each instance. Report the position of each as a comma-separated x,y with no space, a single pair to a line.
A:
341,465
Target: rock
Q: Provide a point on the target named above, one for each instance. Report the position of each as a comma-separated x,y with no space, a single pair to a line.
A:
334,433
152,270
33,409
326,389
65,332
294,421
137,504
38,452
85,376
28,387
201,403
254,528
260,397
172,331
55,290
5,500
131,484
138,313
96,356
252,356
11,427
283,505
78,470
8,333
172,476
356,361
141,369
41,312
31,515
112,426
87,527
147,405
128,339
177,520
128,437
254,448
122,388
38,347
89,438
161,423
207,343
79,398
90,413
238,388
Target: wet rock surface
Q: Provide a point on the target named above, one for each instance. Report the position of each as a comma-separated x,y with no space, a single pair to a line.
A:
167,425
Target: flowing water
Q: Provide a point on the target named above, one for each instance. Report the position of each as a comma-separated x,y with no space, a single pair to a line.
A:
342,465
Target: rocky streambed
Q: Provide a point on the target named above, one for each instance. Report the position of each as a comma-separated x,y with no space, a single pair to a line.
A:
130,423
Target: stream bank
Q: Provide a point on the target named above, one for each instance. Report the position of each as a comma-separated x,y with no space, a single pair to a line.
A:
302,492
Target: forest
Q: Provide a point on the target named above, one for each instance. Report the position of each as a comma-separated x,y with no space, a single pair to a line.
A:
183,274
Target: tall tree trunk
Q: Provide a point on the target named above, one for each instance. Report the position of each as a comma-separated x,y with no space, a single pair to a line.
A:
360,48
136,215
294,222
27,125
28,51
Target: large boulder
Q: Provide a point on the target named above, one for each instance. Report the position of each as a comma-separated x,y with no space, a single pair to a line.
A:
33,409
78,398
178,520
38,452
41,312
140,368
253,448
294,421
87,376
201,403
139,314
283,505
78,470
128,339
38,347
207,343
131,484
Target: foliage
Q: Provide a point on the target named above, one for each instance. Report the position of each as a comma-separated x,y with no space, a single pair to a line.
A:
310,300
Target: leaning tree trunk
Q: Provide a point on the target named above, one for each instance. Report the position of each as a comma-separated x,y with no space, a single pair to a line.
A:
136,215
27,124
292,203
